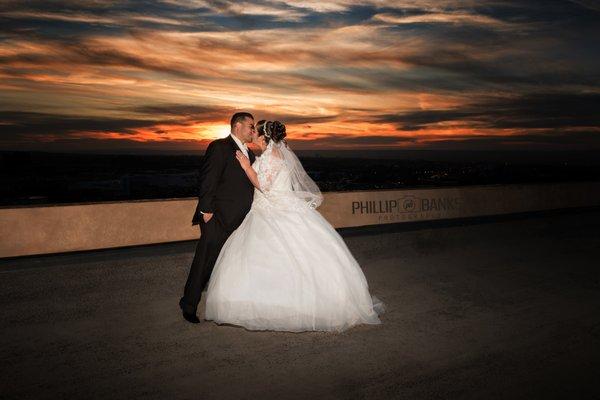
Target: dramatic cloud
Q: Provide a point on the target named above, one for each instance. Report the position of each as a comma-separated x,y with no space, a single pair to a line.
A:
341,74
543,110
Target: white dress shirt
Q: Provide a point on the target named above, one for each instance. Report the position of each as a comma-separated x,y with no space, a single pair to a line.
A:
241,145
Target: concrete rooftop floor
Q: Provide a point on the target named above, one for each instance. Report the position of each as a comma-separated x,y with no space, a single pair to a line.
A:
507,309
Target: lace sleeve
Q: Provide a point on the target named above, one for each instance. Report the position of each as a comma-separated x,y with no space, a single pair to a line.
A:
270,164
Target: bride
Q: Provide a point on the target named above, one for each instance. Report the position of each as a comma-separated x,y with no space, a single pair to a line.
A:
286,268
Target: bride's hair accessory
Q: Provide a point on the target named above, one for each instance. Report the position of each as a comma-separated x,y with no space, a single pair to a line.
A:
267,130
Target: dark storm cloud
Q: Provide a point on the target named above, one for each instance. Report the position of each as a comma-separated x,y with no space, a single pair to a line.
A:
187,111
544,11
523,45
342,140
544,110
420,119
112,146
582,140
588,4
82,18
191,112
82,54
18,123
369,140
72,18
293,119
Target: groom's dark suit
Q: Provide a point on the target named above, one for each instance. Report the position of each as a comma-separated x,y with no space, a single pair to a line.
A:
225,191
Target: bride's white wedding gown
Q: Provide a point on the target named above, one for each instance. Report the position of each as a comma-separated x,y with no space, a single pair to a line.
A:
286,268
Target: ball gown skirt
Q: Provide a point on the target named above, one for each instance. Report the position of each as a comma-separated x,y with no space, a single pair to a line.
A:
286,269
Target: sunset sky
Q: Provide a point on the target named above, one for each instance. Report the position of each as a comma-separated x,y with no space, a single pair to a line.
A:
167,75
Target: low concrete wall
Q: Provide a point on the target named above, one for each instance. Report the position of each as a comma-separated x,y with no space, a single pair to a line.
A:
62,228
370,208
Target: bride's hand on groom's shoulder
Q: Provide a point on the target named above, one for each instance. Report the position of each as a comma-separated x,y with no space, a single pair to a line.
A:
244,161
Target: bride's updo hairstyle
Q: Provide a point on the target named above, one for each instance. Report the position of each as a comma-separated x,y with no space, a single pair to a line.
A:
271,130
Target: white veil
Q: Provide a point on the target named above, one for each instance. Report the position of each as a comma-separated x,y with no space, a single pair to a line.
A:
303,186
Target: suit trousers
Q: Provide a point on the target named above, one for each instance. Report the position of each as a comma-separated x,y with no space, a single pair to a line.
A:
213,236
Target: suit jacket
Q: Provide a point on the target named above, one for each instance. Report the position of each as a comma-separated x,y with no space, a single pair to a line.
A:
225,190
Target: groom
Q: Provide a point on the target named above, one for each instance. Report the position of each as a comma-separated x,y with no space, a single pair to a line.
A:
225,197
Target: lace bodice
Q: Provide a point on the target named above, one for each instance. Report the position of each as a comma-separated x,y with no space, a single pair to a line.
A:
275,183
283,182
272,173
